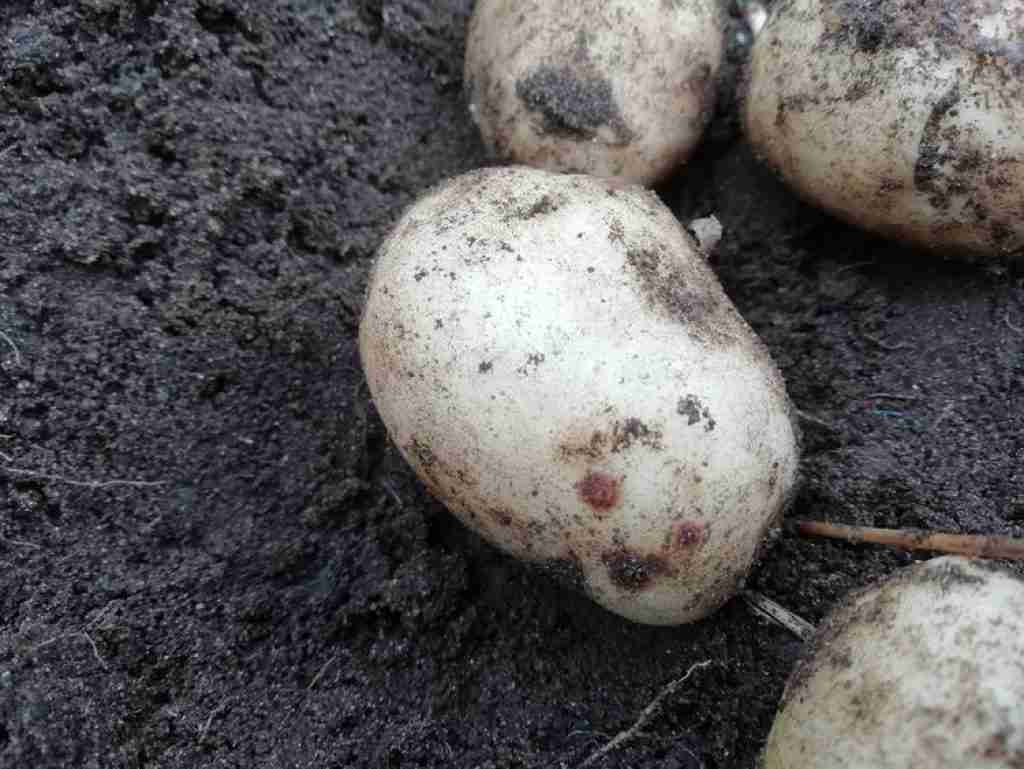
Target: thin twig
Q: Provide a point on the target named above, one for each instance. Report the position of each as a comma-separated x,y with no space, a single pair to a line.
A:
645,717
390,490
13,346
73,482
75,634
321,672
209,721
816,420
854,266
942,417
974,545
1009,323
20,543
878,342
892,397
769,609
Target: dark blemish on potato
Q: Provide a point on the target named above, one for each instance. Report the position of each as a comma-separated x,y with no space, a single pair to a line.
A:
632,571
879,26
445,479
616,232
543,205
600,491
632,431
694,410
928,169
687,534
533,361
419,275
666,286
485,367
571,104
593,448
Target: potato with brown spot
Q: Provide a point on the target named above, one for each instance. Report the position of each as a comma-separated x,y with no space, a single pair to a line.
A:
607,87
570,445
925,669
901,116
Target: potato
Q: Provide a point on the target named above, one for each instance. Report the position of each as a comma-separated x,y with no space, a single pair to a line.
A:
562,369
612,88
923,670
901,116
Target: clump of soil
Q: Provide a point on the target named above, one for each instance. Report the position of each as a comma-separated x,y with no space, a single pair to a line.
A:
209,552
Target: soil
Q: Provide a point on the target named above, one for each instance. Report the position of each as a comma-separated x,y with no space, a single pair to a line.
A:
210,554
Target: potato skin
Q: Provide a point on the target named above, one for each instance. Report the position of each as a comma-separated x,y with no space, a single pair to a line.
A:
923,670
562,369
613,88
900,116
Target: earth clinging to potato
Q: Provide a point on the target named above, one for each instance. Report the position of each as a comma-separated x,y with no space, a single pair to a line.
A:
554,357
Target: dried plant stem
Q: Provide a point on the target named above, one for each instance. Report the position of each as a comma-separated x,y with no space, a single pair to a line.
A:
779,614
975,545
649,712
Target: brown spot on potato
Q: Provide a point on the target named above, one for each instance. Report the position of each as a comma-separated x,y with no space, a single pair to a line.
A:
599,491
633,571
633,431
688,534
592,447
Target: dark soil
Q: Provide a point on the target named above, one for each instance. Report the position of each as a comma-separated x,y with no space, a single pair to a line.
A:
210,555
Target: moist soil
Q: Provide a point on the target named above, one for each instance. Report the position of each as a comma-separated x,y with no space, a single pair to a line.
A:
210,553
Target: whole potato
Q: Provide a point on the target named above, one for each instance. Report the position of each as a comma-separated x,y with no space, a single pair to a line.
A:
923,670
901,116
608,87
557,362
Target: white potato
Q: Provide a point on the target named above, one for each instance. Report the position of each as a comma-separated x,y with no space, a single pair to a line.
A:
555,359
901,116
613,88
923,670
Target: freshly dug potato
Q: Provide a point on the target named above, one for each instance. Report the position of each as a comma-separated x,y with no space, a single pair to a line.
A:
923,670
613,88
555,359
901,116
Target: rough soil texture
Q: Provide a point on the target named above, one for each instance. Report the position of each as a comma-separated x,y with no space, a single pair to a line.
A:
210,555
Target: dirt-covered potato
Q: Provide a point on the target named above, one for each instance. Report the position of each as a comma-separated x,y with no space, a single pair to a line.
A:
902,116
612,88
555,359
923,670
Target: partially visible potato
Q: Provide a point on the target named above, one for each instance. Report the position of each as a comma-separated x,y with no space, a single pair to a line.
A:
924,670
613,88
901,116
556,360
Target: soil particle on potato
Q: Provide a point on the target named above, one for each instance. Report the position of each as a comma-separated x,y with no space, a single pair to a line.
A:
632,571
572,104
691,407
